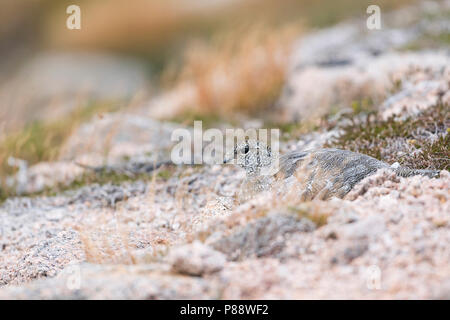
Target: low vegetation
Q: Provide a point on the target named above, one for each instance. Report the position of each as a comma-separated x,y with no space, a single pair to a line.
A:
241,71
311,211
41,141
418,142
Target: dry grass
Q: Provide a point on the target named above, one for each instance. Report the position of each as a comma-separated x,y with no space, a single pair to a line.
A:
241,71
41,140
269,203
313,211
106,246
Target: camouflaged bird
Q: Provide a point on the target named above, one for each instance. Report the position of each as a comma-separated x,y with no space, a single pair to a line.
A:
321,173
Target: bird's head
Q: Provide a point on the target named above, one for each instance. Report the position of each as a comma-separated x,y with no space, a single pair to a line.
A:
252,155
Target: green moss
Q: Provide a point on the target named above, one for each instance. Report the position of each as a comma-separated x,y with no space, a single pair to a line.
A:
384,139
326,13
165,174
429,41
365,105
290,128
209,120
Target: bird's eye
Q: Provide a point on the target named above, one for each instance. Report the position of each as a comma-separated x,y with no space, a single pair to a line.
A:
246,149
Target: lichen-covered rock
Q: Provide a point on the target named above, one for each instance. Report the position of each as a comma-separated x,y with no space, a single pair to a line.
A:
421,89
264,237
88,281
44,175
376,179
196,259
123,135
352,64
423,79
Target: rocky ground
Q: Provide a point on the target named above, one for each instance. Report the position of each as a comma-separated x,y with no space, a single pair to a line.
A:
179,233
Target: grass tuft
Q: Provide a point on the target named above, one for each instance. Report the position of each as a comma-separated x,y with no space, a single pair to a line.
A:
41,141
240,71
308,211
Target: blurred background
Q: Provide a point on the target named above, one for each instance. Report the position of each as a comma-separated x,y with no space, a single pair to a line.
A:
52,79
